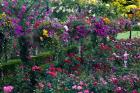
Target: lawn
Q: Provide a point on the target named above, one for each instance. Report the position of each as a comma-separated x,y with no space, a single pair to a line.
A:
125,35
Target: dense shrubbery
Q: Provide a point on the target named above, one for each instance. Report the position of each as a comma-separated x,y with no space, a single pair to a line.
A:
80,55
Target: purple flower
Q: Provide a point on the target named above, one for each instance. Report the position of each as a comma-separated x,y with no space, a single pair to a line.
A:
15,21
82,31
18,30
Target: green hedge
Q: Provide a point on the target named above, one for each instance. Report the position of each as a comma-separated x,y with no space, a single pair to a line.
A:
11,64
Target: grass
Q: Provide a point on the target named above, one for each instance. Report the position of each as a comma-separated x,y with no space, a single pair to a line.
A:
125,35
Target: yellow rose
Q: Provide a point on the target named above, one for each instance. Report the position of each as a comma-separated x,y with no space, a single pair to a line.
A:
45,33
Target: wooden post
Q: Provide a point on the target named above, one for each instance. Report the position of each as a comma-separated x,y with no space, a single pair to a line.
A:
130,34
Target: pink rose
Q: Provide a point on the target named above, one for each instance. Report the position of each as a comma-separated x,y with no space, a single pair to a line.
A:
74,87
81,83
41,85
125,55
79,87
86,91
8,89
49,85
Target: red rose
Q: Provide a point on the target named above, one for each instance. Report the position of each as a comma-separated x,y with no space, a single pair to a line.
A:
95,83
71,55
53,74
118,46
67,61
79,59
59,69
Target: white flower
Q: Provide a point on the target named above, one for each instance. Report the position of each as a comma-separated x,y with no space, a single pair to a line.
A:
139,24
64,10
61,7
107,5
66,27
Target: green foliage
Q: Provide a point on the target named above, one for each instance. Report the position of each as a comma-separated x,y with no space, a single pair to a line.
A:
10,65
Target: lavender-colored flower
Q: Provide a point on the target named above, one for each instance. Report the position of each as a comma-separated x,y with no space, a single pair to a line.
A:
65,36
51,33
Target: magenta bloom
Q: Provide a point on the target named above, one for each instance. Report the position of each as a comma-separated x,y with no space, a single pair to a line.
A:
23,8
36,68
8,89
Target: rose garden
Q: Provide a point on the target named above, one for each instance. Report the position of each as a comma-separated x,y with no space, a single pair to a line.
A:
69,46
